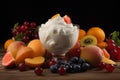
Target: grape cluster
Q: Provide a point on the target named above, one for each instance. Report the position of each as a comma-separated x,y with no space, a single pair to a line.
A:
113,49
25,31
74,65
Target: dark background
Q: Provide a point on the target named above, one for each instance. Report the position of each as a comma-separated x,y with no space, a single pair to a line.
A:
86,13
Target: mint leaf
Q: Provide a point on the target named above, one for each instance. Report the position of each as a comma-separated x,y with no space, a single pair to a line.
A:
15,25
115,36
19,37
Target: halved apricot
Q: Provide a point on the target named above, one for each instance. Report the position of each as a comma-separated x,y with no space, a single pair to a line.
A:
34,62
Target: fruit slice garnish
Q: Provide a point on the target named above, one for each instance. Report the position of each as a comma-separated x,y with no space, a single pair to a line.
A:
67,19
88,40
54,16
108,61
102,44
105,53
8,60
34,62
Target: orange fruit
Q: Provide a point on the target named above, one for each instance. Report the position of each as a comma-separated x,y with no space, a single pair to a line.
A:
98,33
82,33
38,48
105,53
7,43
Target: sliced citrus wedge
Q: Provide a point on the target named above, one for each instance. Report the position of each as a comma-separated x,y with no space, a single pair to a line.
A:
8,60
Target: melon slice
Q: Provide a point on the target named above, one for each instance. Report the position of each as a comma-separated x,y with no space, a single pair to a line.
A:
35,62
8,60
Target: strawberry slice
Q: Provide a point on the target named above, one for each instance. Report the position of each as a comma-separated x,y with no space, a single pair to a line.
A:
67,19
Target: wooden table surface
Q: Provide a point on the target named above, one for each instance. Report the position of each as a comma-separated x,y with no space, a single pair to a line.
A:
93,74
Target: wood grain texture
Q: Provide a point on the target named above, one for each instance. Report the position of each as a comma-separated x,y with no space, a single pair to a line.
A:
93,74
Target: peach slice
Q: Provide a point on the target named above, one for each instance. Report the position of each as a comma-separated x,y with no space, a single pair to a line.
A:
105,53
25,52
54,16
108,61
35,62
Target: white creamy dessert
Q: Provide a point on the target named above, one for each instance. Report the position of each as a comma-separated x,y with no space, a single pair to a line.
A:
57,36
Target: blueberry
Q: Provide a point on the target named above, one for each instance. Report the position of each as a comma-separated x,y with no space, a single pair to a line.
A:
74,60
85,67
54,68
58,65
69,68
76,68
81,61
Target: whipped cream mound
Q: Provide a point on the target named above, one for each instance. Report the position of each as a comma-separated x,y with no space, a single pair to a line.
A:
57,36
